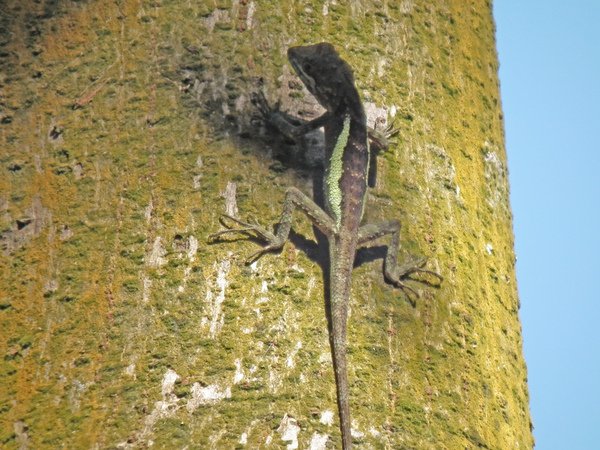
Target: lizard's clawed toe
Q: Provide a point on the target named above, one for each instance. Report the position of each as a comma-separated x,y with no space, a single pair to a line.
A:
273,242
259,100
234,219
246,227
415,265
406,289
256,255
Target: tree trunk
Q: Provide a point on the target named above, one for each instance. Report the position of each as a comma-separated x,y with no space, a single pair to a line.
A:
126,129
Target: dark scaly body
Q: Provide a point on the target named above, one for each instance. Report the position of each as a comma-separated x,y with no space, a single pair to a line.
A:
330,80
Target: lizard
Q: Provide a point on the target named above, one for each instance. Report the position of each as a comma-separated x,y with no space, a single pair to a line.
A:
330,80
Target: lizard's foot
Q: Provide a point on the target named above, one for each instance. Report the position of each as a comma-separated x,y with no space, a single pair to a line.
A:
397,274
389,132
382,138
273,242
266,111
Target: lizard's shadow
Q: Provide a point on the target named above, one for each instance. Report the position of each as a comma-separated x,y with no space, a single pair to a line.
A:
289,155
305,157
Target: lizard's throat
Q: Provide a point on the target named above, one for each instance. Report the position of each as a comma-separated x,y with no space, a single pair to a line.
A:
308,81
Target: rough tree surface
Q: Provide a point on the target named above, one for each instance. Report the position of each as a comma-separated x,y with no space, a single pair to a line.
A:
126,129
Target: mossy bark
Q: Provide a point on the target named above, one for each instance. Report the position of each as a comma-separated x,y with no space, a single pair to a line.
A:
126,129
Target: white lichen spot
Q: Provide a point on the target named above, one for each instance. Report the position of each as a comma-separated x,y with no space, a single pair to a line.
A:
374,432
22,438
225,109
381,67
495,176
130,370
196,181
206,395
406,6
218,15
254,266
77,389
297,268
240,103
243,438
275,380
325,10
489,248
37,163
325,358
312,282
356,434
78,170
65,233
230,201
51,286
441,171
157,255
290,360
192,248
186,276
148,211
146,285
376,115
264,288
318,441
250,15
215,300
393,111
199,162
168,382
239,375
327,417
164,408
289,430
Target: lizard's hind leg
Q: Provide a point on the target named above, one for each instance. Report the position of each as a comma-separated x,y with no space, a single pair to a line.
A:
394,273
273,243
294,198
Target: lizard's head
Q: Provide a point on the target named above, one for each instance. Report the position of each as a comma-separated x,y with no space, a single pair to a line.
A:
327,76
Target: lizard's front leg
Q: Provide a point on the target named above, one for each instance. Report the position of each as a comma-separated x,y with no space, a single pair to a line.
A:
291,127
393,272
294,127
294,199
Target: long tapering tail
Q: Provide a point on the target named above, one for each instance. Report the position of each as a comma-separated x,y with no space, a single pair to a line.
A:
342,258
338,344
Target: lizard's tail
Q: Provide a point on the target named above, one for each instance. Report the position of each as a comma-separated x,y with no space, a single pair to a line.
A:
342,257
338,344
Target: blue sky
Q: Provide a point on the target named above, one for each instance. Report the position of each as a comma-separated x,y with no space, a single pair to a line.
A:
550,75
